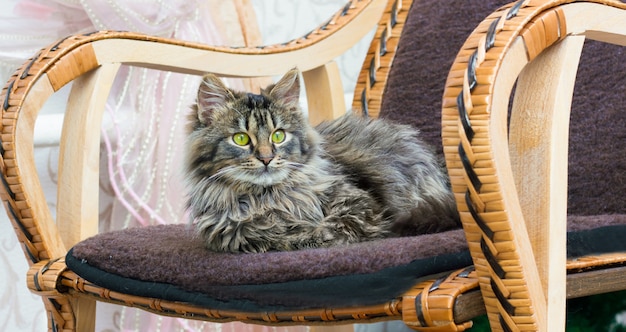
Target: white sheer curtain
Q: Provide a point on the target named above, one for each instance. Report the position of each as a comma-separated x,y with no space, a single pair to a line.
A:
144,118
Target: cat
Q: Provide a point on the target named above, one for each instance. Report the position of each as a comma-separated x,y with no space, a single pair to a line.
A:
260,178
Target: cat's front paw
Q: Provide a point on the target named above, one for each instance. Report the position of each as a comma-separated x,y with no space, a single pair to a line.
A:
319,237
352,229
333,231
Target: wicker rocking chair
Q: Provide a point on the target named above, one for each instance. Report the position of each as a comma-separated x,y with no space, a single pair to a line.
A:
512,197
508,166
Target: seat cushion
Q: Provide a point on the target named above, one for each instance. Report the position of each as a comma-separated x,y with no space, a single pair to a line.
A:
169,262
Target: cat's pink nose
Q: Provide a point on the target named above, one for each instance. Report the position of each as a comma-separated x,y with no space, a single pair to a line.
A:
266,160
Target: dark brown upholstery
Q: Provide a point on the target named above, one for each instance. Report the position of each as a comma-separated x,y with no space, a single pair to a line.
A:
435,31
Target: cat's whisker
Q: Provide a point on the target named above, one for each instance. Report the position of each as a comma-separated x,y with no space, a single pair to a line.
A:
293,164
222,172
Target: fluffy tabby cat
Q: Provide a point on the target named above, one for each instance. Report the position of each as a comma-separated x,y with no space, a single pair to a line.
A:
261,178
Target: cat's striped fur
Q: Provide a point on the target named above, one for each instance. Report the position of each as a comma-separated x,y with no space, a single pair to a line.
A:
346,181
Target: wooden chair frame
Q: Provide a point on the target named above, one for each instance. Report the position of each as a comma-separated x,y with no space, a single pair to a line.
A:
510,180
520,258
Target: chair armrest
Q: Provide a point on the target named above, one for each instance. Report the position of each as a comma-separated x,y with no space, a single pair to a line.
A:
510,180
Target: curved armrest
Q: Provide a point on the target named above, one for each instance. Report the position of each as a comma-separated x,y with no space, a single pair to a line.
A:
91,61
510,180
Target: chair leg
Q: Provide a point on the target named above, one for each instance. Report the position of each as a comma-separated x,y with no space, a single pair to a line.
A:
65,314
85,314
60,313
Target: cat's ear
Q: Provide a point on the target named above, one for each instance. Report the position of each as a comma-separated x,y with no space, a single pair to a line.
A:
212,95
287,89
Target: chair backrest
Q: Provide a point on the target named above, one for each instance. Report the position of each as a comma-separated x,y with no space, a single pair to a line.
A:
92,61
435,31
432,34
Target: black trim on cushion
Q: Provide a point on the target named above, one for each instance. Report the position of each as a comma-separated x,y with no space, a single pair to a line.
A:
599,240
150,253
337,291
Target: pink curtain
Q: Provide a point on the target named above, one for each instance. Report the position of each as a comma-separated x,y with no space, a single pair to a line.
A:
143,130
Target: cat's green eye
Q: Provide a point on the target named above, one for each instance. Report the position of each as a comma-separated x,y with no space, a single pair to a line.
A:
241,139
278,136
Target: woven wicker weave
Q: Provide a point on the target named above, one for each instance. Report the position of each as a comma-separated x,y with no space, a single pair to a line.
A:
441,303
517,237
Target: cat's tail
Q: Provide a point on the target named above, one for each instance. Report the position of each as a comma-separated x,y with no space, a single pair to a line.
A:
426,219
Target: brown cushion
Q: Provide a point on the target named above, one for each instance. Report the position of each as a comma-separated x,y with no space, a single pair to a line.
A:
135,260
169,262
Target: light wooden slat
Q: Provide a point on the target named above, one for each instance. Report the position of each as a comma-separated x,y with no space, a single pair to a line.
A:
79,155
